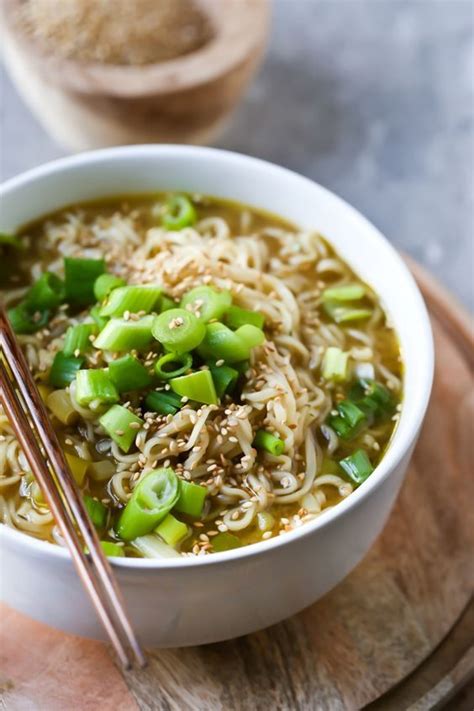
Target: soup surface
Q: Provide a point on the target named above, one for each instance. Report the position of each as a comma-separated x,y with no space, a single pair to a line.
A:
216,376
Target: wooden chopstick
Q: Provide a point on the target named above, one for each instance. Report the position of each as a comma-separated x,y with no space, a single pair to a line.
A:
62,495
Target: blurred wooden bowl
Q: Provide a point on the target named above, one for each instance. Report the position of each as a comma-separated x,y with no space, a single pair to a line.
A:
87,105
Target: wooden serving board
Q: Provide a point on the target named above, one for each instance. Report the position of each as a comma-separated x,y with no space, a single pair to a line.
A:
372,640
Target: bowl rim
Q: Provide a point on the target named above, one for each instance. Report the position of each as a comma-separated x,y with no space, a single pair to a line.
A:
399,445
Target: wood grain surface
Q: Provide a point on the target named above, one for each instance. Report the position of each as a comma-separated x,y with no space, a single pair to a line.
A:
397,632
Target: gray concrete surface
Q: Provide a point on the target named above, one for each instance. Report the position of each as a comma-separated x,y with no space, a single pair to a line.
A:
372,98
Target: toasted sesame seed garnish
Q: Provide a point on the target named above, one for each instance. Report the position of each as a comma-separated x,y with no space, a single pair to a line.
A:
135,425
119,432
267,534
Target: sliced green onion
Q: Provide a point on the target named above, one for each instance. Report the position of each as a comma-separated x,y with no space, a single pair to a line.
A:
171,530
335,365
64,369
133,299
166,304
78,467
191,499
80,279
236,317
225,542
269,443
152,546
265,521
357,466
179,213
121,425
11,241
127,373
348,292
101,471
231,346
121,335
171,365
96,510
95,386
207,303
59,402
151,501
112,550
46,293
225,378
106,283
349,421
341,314
22,320
373,398
198,386
166,403
78,339
178,330
101,321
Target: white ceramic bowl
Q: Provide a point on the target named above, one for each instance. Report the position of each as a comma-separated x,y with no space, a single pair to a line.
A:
192,601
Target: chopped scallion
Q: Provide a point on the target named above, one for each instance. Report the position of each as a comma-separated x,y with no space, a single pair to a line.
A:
225,378
112,550
342,314
80,276
236,317
178,330
64,369
171,365
207,303
163,402
349,421
78,339
120,335
46,293
59,403
357,466
97,511
133,299
191,499
334,365
78,467
95,386
151,501
179,213
346,292
269,443
106,283
23,320
171,530
198,386
225,542
231,346
121,425
127,373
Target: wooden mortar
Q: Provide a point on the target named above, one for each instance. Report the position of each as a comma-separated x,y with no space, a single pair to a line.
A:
86,105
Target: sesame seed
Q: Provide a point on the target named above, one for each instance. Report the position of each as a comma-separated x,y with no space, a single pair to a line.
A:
267,534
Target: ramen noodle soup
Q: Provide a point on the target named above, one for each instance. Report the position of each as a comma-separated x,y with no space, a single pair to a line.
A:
216,376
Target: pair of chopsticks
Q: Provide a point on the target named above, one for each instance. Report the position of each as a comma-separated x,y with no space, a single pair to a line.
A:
30,422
